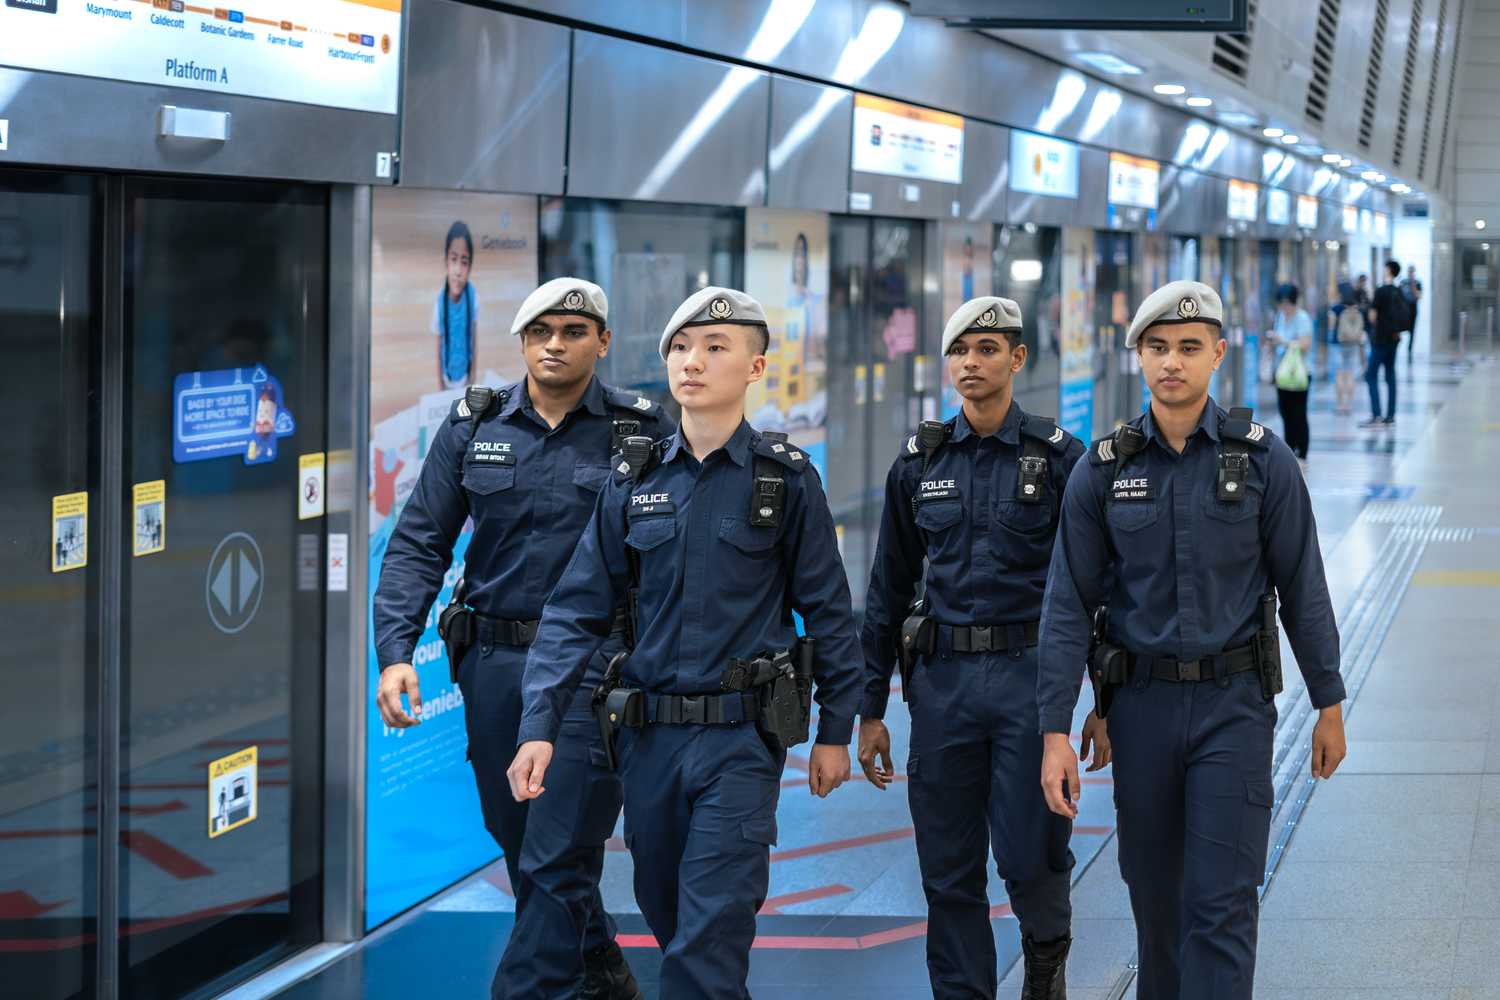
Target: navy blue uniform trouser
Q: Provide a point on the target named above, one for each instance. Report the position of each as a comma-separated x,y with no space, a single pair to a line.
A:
554,845
700,820
972,784
1382,355
1192,766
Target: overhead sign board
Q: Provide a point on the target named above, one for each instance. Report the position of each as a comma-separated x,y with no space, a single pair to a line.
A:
902,140
1229,16
1133,181
1040,164
336,53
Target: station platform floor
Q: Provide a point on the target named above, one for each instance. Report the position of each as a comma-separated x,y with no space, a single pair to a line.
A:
1382,882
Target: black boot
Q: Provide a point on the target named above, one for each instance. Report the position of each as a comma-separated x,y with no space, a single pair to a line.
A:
606,976
1046,963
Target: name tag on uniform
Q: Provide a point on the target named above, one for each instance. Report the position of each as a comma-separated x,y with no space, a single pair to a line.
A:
492,453
1133,488
938,489
642,504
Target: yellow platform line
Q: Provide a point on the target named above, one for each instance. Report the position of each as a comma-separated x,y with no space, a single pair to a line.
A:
1457,578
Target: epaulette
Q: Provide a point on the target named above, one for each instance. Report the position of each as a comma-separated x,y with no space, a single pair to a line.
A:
1102,451
624,399
789,455
1046,429
1240,427
911,449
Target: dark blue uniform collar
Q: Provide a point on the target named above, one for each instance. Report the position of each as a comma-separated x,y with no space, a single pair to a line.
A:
1010,427
737,447
591,400
1208,423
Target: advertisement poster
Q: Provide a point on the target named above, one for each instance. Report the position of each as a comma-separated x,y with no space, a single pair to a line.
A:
1244,198
1076,409
1351,219
906,141
448,272
1278,207
1040,164
1133,181
1307,212
786,268
338,53
967,273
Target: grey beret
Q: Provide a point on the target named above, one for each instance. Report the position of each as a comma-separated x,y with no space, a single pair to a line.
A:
986,314
712,306
1178,302
563,295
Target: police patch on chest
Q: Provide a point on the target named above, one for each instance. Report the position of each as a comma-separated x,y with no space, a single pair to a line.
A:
1133,488
938,489
492,453
642,504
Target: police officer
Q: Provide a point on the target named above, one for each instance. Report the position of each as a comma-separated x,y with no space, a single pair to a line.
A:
720,532
526,463
975,497
1177,533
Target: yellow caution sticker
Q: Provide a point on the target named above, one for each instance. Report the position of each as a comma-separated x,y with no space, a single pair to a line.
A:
232,791
70,532
310,486
150,517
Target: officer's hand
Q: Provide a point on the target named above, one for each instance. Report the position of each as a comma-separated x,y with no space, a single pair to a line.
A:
875,740
1328,747
828,769
1095,731
395,679
1059,768
528,769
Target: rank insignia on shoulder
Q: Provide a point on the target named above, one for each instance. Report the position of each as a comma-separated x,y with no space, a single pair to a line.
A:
1103,451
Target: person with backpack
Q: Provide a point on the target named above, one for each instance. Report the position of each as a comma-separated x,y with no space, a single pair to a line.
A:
1292,338
1391,314
1350,330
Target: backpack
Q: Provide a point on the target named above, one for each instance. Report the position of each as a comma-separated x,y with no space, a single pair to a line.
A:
1351,327
1402,315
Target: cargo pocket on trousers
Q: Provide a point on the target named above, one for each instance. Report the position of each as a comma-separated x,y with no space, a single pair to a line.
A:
761,831
1255,831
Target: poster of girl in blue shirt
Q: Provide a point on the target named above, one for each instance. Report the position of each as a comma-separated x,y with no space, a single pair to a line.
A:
456,312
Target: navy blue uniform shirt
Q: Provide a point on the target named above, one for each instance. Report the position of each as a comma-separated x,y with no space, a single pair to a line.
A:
713,586
987,552
530,489
1183,572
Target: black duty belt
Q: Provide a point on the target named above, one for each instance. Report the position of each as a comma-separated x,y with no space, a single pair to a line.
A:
1205,668
504,632
702,709
988,638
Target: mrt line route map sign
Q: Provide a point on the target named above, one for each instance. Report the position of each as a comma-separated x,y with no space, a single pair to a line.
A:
336,53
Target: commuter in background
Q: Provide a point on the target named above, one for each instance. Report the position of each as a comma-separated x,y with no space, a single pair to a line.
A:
1292,339
1411,290
1391,315
1350,328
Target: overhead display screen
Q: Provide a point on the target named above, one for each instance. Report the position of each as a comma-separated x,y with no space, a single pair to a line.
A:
1278,207
1133,181
1040,164
1132,15
1307,212
905,141
1243,198
335,53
